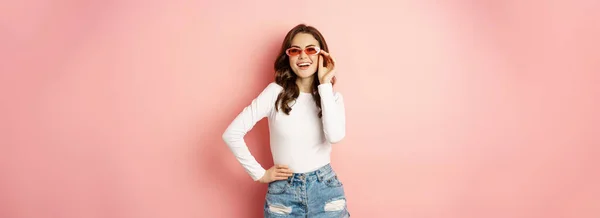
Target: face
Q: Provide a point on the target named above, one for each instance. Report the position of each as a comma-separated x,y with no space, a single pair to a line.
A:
304,55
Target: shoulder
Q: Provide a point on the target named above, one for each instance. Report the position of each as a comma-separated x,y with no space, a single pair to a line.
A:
273,87
270,92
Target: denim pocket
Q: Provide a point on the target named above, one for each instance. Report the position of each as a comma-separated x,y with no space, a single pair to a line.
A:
278,187
333,182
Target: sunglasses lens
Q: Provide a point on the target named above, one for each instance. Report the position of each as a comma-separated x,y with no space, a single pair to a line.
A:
293,51
297,51
311,50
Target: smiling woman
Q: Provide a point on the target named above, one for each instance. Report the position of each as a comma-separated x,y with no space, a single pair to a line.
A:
293,77
305,117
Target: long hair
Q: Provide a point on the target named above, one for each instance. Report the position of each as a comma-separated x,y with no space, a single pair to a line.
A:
286,78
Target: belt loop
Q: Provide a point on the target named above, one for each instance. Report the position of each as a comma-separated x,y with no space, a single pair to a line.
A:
319,175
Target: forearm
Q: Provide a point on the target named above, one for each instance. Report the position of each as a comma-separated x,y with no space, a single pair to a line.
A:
333,111
233,136
240,150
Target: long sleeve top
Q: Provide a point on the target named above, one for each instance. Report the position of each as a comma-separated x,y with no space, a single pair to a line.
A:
300,140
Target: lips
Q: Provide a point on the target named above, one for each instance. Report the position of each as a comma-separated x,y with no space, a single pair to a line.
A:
303,66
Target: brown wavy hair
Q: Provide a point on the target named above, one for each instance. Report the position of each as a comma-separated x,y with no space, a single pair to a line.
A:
286,78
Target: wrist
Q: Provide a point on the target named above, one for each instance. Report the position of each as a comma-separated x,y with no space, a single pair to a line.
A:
261,178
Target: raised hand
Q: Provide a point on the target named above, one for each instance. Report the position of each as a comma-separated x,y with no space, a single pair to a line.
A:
326,73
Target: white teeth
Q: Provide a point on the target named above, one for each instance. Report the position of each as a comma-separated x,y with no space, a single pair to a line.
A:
303,64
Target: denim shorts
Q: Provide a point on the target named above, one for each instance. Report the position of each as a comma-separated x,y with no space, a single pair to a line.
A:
316,194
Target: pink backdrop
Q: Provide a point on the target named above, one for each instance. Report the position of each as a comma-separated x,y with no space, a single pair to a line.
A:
456,109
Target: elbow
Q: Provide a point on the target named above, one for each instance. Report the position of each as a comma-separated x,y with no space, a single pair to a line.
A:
336,138
227,137
232,137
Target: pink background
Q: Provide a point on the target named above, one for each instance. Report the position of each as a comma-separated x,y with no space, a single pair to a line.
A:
457,109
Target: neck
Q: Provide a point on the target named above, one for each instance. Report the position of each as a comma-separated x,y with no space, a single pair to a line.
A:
305,84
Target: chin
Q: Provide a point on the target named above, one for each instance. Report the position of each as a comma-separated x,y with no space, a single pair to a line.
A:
304,74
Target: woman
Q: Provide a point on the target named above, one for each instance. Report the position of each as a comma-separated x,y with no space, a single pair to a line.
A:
305,117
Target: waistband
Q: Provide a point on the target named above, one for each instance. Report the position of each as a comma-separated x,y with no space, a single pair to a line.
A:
320,174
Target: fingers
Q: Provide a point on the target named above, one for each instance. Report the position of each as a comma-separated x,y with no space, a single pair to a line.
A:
327,55
320,62
284,173
281,172
281,178
330,59
283,169
281,166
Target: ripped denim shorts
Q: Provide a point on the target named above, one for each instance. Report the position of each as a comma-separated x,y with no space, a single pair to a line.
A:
316,194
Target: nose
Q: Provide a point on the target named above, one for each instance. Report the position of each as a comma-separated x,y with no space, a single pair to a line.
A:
303,55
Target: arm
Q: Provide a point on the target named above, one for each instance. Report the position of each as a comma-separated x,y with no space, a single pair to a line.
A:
334,117
233,136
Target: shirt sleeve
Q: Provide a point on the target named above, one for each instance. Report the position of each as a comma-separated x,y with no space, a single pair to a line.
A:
259,108
334,117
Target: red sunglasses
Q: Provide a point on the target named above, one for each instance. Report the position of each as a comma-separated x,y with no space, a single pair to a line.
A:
294,51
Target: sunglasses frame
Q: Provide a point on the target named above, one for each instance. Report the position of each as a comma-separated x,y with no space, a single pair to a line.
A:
287,51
